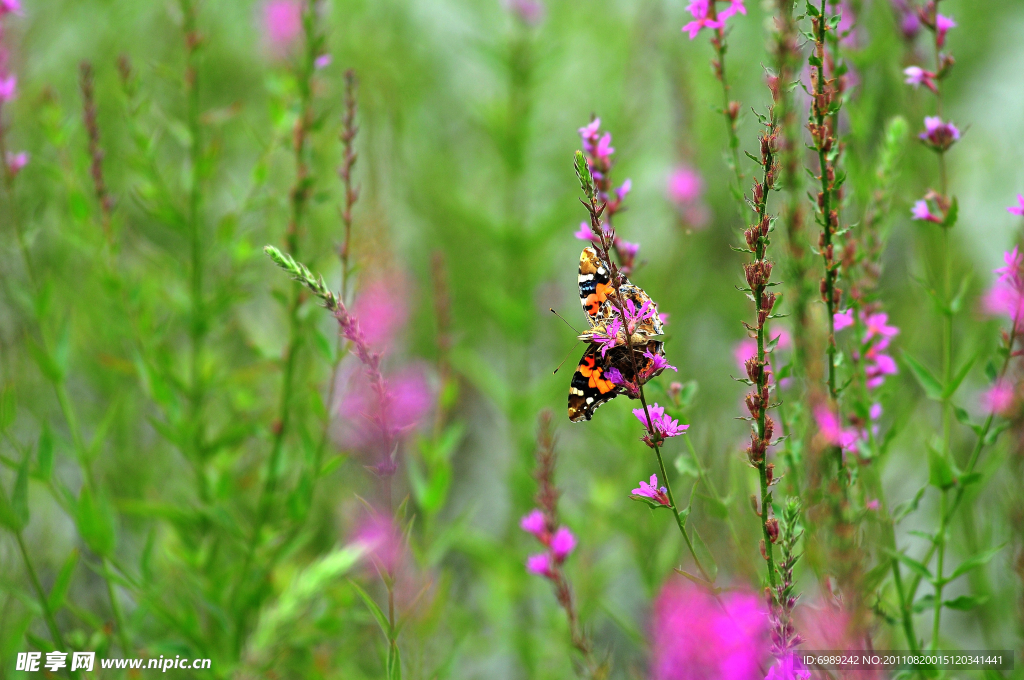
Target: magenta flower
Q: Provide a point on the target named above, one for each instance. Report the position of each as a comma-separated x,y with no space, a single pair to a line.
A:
624,190
1011,273
651,490
877,325
585,233
735,7
701,9
10,7
282,24
381,311
608,337
998,398
841,320
663,425
635,317
534,523
743,350
693,637
1019,208
530,12
921,211
16,161
917,76
1006,297
685,185
875,412
626,249
382,541
323,61
8,87
562,544
832,431
939,135
658,363
788,667
539,564
942,27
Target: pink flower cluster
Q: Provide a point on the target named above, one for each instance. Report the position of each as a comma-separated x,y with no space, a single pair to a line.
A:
530,12
938,134
1006,297
695,637
652,490
661,427
685,189
9,86
559,542
282,24
705,16
878,334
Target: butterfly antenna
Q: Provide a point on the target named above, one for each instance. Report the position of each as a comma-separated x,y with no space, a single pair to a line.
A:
563,320
566,354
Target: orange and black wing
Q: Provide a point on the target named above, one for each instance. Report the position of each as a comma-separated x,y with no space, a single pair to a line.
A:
595,287
590,387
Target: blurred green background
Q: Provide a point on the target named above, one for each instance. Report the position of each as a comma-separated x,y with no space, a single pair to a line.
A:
468,121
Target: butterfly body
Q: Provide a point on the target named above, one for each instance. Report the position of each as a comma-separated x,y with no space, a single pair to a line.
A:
608,349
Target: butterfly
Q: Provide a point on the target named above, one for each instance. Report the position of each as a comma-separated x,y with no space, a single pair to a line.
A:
590,386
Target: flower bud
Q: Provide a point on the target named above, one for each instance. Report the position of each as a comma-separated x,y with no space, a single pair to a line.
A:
772,527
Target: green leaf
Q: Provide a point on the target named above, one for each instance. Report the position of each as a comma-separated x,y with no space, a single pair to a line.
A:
704,555
686,466
974,562
931,385
394,663
378,614
954,384
923,603
951,216
649,502
44,452
60,586
965,602
990,371
95,519
8,517
904,509
940,474
957,303
8,407
914,565
19,498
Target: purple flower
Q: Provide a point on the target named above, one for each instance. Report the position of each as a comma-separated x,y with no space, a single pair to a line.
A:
282,24
841,320
1011,273
651,490
942,27
789,667
539,564
832,431
998,398
921,211
659,363
382,540
627,249
635,317
585,233
685,185
1017,209
530,12
16,161
873,504
534,523
323,61
10,7
562,544
607,337
877,325
700,9
589,131
917,76
735,7
624,190
381,311
696,638
939,135
663,425
8,87
875,412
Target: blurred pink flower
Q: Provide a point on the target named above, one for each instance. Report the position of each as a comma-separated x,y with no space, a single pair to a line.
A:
381,311
872,504
533,523
16,161
833,433
382,540
685,185
789,667
998,398
562,544
8,87
747,347
917,76
877,325
875,412
700,10
323,61
282,24
841,320
1006,297
539,564
921,211
530,12
845,29
943,25
735,7
696,638
1019,208
10,7
938,134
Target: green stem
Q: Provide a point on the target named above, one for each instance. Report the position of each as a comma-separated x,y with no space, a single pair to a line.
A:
51,622
122,634
905,605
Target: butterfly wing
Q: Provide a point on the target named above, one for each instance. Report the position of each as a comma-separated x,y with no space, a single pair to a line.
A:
589,387
597,291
